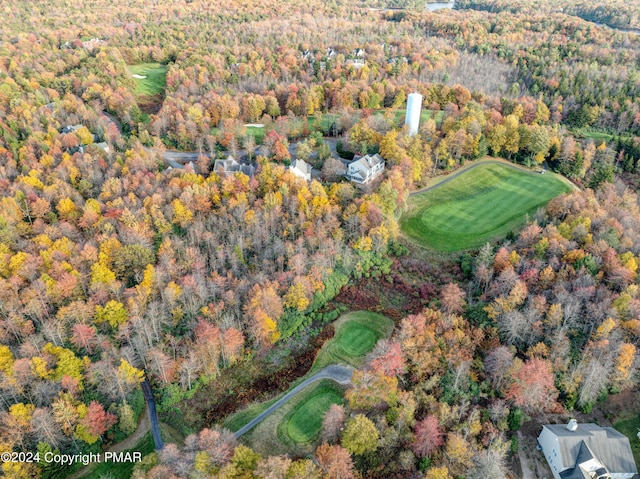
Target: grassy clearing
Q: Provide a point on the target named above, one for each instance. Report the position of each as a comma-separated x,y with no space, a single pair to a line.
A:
294,429
155,81
356,335
325,122
119,469
239,419
425,114
302,424
257,132
478,206
629,427
398,117
124,469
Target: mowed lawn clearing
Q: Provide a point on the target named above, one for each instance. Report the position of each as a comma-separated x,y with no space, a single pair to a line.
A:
356,334
302,424
155,81
482,204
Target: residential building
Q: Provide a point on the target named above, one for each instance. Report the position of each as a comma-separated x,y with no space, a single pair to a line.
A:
587,451
70,128
231,166
357,63
301,169
364,169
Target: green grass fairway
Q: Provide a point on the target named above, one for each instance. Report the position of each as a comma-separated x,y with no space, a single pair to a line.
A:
302,424
480,205
156,79
356,334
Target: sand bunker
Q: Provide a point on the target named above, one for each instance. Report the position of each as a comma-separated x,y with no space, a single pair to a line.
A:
139,77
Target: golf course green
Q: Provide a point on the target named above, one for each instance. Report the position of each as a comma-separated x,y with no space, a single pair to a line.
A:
356,334
302,424
481,204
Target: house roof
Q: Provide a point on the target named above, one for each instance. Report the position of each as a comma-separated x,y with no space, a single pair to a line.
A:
230,165
368,161
70,128
609,446
302,166
225,165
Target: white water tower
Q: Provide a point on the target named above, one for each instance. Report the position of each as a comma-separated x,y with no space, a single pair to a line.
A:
414,104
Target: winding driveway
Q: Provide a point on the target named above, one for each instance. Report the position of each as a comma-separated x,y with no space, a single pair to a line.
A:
340,374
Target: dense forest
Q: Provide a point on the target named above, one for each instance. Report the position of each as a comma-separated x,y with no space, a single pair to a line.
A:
117,267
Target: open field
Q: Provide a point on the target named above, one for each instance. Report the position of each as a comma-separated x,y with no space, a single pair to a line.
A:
477,206
425,114
155,78
239,419
398,117
257,132
295,428
356,334
122,469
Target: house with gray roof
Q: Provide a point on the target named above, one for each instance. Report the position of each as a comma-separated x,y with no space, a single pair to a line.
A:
587,451
231,166
301,169
365,168
70,129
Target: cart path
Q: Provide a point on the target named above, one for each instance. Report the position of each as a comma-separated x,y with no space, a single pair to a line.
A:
340,374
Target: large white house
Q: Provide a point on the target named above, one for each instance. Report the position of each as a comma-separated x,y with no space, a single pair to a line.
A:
365,168
587,451
301,169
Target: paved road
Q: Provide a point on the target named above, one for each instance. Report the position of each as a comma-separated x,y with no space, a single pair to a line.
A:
184,157
340,374
153,416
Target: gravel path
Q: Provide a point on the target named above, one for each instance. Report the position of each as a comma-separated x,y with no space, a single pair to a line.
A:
340,374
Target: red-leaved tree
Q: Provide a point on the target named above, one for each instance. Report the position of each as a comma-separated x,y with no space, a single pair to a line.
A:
533,386
428,437
97,420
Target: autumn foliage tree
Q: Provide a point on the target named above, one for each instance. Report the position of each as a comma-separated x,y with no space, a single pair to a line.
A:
428,437
335,462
